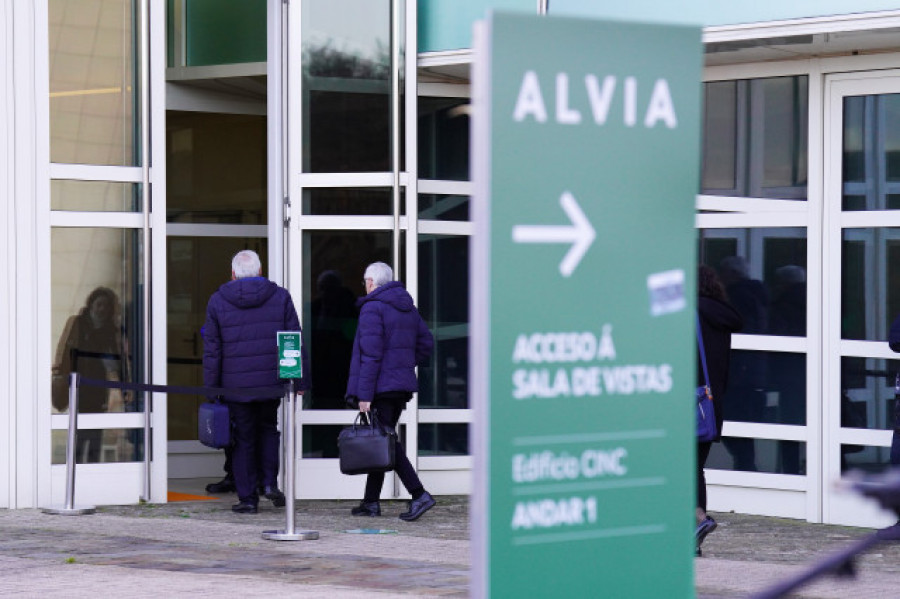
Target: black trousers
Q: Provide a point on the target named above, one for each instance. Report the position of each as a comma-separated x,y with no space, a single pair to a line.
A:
257,444
388,411
702,454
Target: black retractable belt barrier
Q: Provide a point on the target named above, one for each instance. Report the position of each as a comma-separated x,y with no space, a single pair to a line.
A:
233,394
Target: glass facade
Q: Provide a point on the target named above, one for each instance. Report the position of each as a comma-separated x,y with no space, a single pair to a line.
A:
871,153
94,196
764,273
755,138
96,325
346,81
94,117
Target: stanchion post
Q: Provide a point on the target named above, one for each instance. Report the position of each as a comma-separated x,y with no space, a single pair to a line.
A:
69,509
290,453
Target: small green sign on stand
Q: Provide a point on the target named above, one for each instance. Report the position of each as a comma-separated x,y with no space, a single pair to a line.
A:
290,366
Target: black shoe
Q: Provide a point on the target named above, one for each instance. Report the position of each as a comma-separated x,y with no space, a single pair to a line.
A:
367,508
226,485
417,507
275,495
244,508
704,528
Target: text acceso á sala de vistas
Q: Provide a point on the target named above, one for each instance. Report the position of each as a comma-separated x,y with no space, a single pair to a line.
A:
574,371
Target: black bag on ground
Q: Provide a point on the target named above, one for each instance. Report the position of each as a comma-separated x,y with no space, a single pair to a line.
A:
214,425
366,446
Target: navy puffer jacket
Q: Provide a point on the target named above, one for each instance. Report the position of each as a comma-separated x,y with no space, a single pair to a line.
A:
390,341
240,349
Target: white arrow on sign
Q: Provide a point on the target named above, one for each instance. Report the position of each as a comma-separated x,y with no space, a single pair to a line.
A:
580,234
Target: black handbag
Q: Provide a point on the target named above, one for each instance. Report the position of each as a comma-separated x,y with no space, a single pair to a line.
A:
366,446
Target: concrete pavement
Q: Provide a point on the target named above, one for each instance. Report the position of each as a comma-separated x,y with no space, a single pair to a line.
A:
201,549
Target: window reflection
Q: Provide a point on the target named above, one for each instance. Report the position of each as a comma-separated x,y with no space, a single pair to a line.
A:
867,458
95,196
867,393
443,207
96,322
333,265
765,387
444,138
93,87
346,201
870,297
346,68
112,445
443,439
444,304
755,138
871,153
764,272
783,457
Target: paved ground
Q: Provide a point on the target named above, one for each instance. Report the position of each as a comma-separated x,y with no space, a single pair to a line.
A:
202,549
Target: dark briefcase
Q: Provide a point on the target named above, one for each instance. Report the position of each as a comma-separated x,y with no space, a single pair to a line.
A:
214,425
366,446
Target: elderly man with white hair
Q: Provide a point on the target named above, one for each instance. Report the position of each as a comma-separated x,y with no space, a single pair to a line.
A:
240,351
391,340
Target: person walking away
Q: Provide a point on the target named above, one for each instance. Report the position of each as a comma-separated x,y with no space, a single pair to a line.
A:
390,341
718,321
240,351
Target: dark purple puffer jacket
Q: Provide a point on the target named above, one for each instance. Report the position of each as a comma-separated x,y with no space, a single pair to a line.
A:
390,341
240,348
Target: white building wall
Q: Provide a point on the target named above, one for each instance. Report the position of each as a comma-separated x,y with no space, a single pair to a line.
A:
23,180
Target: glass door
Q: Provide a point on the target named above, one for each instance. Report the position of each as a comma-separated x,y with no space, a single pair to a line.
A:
348,182
862,284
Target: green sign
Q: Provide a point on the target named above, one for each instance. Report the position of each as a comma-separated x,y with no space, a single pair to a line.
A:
585,158
290,364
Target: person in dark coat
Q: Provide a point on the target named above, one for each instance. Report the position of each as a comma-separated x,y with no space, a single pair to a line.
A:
718,320
240,351
892,533
92,344
390,341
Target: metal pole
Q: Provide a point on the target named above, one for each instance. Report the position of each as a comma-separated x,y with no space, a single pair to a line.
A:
395,131
69,508
144,53
289,534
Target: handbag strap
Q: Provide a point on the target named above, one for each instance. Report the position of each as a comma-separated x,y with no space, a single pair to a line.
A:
700,344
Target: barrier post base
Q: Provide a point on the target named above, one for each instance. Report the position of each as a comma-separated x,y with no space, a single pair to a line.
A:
76,510
299,535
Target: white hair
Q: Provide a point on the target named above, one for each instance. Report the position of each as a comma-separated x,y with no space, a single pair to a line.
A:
246,264
380,273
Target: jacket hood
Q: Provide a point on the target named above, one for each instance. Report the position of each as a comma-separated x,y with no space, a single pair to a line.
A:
392,294
249,292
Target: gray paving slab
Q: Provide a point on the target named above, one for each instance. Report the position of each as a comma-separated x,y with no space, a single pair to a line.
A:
201,548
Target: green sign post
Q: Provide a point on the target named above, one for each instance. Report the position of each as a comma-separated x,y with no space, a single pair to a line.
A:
290,366
585,160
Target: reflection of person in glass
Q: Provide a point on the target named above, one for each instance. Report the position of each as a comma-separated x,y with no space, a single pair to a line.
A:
718,320
787,375
746,395
92,345
334,317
